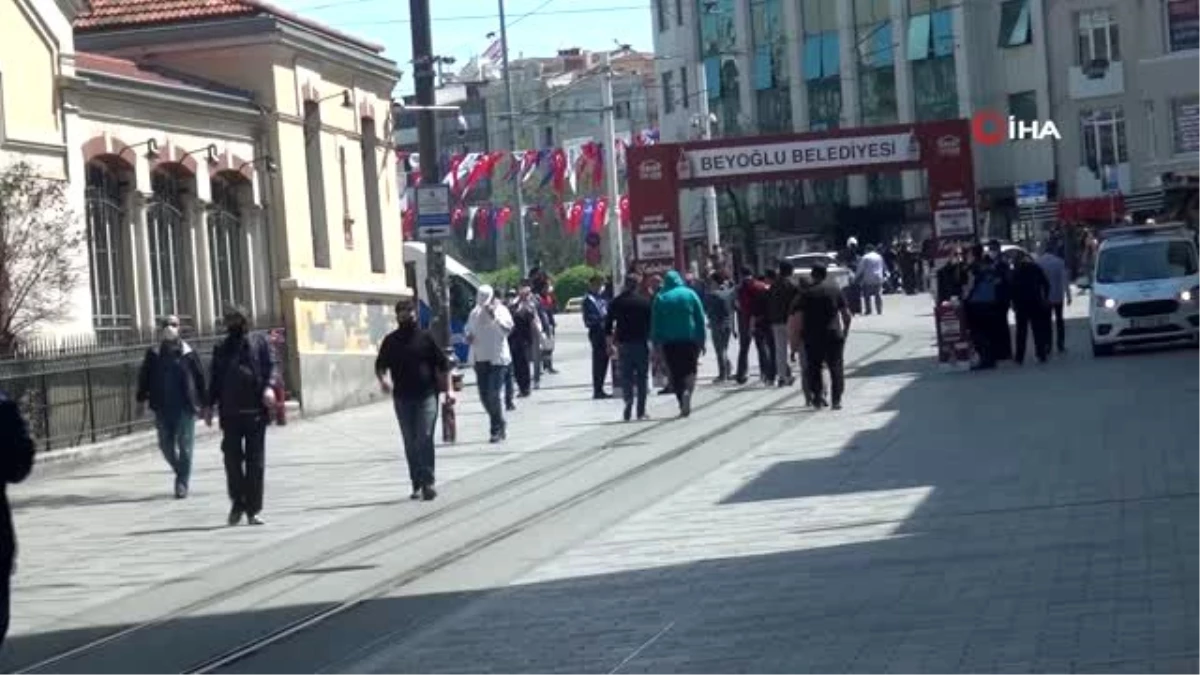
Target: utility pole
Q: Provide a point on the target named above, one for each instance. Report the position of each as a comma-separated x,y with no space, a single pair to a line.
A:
423,82
609,151
711,228
512,139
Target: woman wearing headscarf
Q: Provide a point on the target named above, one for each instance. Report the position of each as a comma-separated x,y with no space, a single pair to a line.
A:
487,332
677,328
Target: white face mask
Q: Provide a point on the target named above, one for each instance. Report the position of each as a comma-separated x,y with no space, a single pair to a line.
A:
170,333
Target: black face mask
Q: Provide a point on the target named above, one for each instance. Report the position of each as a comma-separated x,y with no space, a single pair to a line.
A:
236,329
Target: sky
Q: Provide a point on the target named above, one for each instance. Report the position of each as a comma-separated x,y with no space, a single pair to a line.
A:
460,27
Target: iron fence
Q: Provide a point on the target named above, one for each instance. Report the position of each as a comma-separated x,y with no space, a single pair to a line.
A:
83,390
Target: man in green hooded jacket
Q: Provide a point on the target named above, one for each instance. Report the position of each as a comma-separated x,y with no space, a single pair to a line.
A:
677,329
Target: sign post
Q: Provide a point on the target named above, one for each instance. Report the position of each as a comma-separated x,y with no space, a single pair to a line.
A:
1030,195
433,212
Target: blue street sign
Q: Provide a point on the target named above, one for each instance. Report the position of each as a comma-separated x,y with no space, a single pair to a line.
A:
1031,193
433,211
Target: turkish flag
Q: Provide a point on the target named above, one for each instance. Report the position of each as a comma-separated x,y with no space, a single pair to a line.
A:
599,215
575,216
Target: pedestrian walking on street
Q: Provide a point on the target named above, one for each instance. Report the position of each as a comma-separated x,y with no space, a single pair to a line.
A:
510,389
824,321
171,381
1060,290
752,316
982,302
719,305
595,309
1031,303
677,328
658,368
242,377
487,332
413,369
15,464
628,328
871,273
779,304
524,338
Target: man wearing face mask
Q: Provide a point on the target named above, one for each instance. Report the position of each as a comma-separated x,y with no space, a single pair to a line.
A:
171,381
242,376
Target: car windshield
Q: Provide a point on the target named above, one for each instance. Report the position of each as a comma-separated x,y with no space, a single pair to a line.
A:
1146,262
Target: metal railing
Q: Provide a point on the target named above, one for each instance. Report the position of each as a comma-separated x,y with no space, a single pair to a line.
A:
83,390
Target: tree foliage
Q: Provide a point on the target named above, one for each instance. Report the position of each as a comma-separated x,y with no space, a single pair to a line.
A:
41,253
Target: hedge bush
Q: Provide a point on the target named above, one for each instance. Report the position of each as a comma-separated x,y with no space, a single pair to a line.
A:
503,278
573,282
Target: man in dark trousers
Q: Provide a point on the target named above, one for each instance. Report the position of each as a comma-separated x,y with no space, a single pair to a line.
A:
780,298
171,381
1031,304
242,376
15,465
824,322
748,292
595,310
719,306
416,370
628,328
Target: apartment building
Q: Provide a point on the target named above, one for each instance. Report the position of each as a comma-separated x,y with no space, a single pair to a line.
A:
773,66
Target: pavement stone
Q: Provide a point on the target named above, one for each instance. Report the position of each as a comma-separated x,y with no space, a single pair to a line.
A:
94,533
1036,519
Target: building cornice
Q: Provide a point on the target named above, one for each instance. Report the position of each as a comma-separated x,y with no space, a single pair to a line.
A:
183,98
244,31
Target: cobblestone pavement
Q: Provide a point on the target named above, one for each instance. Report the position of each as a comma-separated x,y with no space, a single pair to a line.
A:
99,532
1036,519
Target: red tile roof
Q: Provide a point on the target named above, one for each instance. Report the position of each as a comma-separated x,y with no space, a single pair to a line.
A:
107,14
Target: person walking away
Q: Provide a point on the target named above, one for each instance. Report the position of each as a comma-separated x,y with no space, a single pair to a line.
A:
749,291
677,328
523,339
17,461
870,274
595,309
1031,303
171,381
779,304
824,322
628,329
908,263
413,369
719,305
1060,290
762,328
980,302
242,376
658,369
487,331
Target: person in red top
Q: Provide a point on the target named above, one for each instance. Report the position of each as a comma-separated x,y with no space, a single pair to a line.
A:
751,301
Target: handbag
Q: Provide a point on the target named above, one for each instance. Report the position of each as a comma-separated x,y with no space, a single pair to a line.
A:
547,343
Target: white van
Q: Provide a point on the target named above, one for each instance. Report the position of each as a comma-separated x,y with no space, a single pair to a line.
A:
1145,288
463,287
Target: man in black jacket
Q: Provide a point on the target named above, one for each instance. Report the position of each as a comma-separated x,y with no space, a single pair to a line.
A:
779,307
627,325
242,375
16,461
1031,304
171,380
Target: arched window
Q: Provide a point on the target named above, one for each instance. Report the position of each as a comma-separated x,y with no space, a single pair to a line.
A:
225,235
106,249
164,220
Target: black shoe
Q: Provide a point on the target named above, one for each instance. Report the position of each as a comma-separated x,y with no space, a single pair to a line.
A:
741,379
601,396
642,417
235,516
685,404
818,403
416,494
837,405
524,394
255,520
181,490
510,407
628,413
428,493
495,438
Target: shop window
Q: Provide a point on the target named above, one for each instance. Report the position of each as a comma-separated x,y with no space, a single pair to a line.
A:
1103,134
106,249
1016,26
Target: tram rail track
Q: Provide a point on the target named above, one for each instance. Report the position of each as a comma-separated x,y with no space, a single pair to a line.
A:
531,480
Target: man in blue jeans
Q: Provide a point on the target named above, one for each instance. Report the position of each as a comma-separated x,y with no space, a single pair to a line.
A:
487,332
627,326
171,381
416,369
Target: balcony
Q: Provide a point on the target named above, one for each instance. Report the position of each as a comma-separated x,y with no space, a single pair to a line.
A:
1111,83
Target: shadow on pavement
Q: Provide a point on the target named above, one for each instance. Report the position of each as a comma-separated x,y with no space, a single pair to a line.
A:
1054,529
179,530
59,501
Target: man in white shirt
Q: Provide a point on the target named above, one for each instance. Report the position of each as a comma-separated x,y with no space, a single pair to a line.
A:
870,278
487,332
1060,288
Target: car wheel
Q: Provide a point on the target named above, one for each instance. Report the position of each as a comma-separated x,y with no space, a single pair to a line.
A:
1099,351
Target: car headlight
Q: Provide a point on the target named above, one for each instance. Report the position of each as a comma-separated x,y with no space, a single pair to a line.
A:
1190,295
1105,302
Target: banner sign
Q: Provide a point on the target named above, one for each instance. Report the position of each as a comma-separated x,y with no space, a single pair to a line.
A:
857,152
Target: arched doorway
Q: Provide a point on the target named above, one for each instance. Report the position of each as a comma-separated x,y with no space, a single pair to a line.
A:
167,233
108,245
226,236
